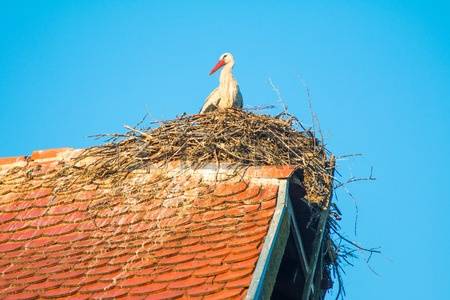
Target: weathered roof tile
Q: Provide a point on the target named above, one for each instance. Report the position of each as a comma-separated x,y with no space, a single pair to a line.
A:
148,289
206,289
225,294
229,188
43,286
187,283
110,294
182,235
135,281
22,296
166,295
58,293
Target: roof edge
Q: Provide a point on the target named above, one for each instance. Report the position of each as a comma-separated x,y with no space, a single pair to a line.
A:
264,171
269,261
214,170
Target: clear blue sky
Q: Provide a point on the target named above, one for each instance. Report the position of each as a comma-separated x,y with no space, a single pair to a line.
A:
379,75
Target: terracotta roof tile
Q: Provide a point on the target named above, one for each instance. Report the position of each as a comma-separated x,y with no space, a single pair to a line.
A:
187,283
239,283
225,294
172,276
98,286
10,246
166,295
112,294
11,160
238,257
49,153
58,293
82,281
233,275
40,243
7,216
66,275
108,269
270,171
33,279
135,281
227,189
43,286
15,290
192,265
148,289
212,254
22,296
178,259
211,270
206,289
184,235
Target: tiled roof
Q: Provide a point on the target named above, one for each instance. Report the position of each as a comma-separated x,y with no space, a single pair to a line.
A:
186,233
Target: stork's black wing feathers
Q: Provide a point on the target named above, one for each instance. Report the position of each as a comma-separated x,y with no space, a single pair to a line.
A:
209,108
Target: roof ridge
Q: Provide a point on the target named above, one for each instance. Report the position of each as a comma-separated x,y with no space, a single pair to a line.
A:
207,170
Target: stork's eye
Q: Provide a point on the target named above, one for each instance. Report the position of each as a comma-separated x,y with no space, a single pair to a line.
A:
224,56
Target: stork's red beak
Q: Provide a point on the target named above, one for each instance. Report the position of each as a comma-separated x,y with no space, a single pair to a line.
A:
217,66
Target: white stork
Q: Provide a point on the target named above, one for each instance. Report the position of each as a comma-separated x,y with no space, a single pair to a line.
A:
227,94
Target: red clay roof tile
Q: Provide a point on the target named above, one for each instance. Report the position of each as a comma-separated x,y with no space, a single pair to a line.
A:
240,283
33,279
233,275
225,294
14,290
49,153
211,270
185,235
229,188
166,295
206,289
148,289
212,254
58,293
83,281
135,281
43,286
237,257
115,293
98,286
10,246
11,160
187,283
7,216
66,275
22,296
172,276
270,171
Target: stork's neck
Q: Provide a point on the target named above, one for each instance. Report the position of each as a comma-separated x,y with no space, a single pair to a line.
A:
226,75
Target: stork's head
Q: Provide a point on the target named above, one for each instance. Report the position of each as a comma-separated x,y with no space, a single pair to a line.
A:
224,59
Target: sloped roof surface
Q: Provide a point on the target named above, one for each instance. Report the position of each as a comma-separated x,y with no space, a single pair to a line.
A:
173,232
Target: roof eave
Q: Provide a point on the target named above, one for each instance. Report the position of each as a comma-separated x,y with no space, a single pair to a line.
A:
269,261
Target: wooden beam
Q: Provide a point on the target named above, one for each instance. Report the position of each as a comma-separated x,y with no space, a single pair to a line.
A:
298,241
317,243
315,253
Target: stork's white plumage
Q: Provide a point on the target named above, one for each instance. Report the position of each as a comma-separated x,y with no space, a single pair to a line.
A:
227,94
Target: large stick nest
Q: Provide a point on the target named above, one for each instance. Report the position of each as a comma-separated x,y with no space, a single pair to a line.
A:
232,136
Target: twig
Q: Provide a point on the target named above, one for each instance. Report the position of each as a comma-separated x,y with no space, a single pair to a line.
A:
355,179
279,98
136,130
